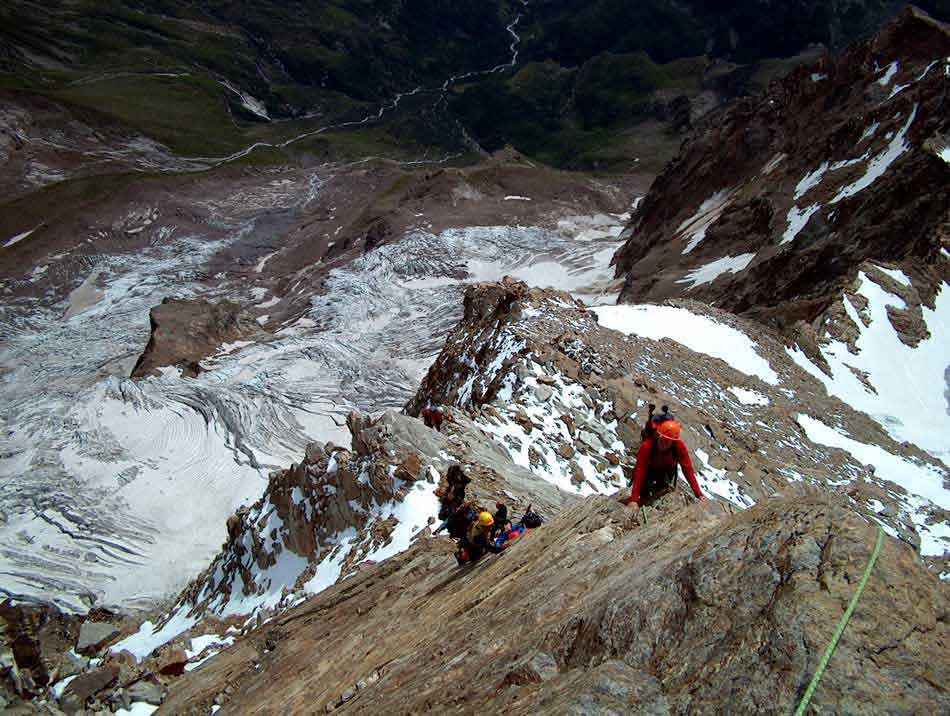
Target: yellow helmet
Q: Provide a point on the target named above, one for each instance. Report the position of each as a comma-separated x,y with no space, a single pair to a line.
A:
485,519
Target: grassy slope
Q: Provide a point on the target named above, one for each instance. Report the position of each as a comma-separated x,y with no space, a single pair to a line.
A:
340,58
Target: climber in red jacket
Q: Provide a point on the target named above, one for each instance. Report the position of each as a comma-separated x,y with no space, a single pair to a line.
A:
659,454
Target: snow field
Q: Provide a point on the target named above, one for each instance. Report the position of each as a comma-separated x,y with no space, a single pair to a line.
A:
181,444
139,708
909,397
924,483
698,333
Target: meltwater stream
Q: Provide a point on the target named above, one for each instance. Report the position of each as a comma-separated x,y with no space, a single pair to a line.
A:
117,491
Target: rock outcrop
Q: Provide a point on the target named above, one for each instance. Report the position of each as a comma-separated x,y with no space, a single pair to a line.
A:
33,642
340,509
186,331
566,396
771,209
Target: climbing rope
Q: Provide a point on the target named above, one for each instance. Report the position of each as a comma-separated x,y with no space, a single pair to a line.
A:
829,650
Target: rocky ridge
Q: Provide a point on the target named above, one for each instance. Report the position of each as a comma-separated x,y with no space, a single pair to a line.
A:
771,209
541,394
597,613
340,509
517,349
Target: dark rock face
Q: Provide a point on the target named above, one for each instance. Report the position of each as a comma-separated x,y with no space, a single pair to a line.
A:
33,638
835,165
186,331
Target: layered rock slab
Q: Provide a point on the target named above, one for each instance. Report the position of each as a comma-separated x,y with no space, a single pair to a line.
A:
695,612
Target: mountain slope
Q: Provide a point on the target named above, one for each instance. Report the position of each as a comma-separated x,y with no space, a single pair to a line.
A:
771,209
822,209
809,376
615,599
596,613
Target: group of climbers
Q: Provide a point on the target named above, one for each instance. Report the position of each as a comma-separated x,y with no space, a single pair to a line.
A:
661,453
432,416
476,530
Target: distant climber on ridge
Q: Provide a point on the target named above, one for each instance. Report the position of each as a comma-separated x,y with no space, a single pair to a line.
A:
661,451
452,502
433,416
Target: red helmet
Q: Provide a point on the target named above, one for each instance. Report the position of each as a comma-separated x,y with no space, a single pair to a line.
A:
669,429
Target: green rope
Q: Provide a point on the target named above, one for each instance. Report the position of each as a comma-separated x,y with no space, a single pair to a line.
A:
829,650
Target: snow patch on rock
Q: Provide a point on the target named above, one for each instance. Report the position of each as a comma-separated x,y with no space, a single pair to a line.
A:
699,333
909,384
924,483
748,397
711,271
880,163
694,228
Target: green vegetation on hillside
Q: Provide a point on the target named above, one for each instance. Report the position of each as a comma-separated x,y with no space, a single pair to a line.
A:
600,84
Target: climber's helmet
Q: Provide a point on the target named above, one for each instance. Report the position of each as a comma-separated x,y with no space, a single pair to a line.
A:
668,432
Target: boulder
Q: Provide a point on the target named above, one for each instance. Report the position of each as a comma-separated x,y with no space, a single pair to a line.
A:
364,438
148,691
410,469
543,393
629,435
87,685
621,393
569,423
316,451
94,635
590,439
172,662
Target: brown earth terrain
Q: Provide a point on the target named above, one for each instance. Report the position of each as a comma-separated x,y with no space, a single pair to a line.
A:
294,223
